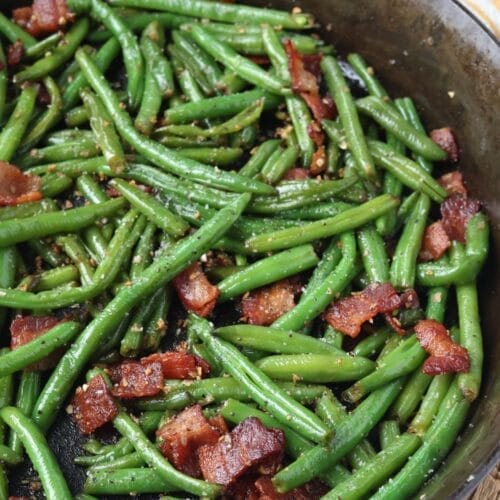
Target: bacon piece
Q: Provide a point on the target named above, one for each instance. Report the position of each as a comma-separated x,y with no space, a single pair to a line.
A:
316,133
296,174
15,53
312,490
43,17
453,182
445,355
318,162
435,242
445,139
132,379
249,447
93,405
196,293
219,423
16,187
456,212
261,60
348,314
267,304
182,435
179,365
24,329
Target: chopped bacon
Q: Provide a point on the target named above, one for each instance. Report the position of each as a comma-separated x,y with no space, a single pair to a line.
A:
453,182
261,60
312,490
316,133
24,329
43,17
445,355
219,423
435,242
132,379
348,314
248,448
456,212
318,162
179,365
197,294
267,304
182,435
15,53
409,299
445,139
16,187
312,63
93,405
305,83
296,174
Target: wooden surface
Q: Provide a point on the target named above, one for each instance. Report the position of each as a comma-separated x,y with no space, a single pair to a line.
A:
489,489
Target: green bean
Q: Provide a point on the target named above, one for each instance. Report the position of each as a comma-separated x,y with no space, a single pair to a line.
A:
387,117
278,164
388,432
7,456
157,275
46,252
13,131
329,260
244,118
55,184
349,117
227,13
296,194
411,396
404,263
157,153
76,117
38,348
349,433
43,46
436,443
157,325
466,270
3,82
220,106
155,211
245,68
275,340
316,298
47,280
44,462
317,211
345,221
406,358
373,254
47,121
130,460
268,270
9,257
13,32
318,368
366,73
123,481
73,247
37,226
104,131
222,157
301,119
152,456
6,392
27,392
373,343
261,388
152,43
470,338
62,53
143,252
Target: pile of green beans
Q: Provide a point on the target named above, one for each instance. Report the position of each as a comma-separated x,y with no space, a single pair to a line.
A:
171,132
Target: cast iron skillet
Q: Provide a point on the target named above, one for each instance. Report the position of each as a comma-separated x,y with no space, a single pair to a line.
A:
427,50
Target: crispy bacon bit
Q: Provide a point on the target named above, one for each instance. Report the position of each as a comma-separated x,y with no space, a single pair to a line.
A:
15,53
456,212
249,447
179,365
132,379
409,299
267,304
435,242
197,294
312,490
348,314
16,187
93,405
318,162
261,60
316,134
305,83
453,182
219,423
296,174
24,329
43,17
445,139
181,437
445,355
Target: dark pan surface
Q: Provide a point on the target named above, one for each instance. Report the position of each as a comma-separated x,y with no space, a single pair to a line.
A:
424,49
